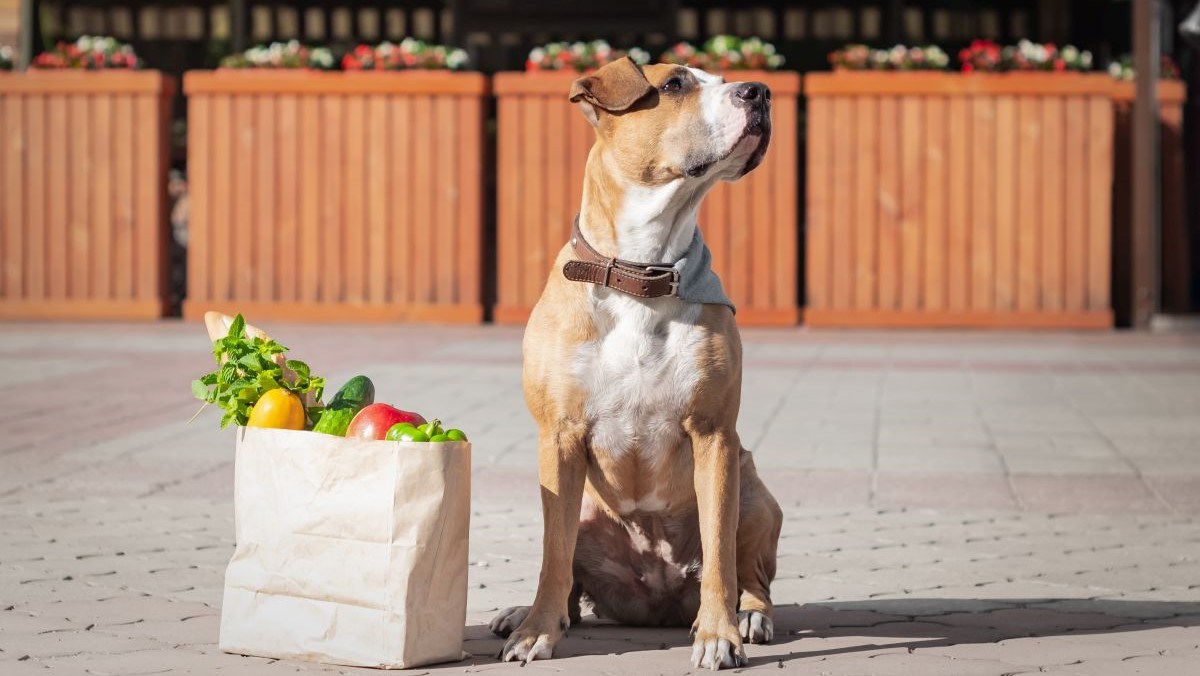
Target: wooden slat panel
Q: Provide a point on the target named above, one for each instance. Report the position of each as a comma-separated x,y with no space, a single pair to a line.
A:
9,255
12,210
1029,189
1053,190
266,227
993,319
402,184
912,213
508,216
125,211
865,177
1076,210
556,213
934,293
582,137
35,205
844,157
890,201
786,216
200,226
79,175
975,85
312,164
983,146
817,204
288,144
761,241
1007,131
75,193
102,203
58,143
423,252
958,205
354,210
533,167
245,135
445,248
1100,125
151,228
333,179
470,207
378,173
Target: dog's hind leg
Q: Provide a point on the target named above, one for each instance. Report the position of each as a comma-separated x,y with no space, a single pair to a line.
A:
759,522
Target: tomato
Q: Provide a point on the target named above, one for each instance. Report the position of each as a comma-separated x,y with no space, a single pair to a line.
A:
279,409
374,421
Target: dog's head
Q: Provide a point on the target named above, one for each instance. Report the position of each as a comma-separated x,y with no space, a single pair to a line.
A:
664,122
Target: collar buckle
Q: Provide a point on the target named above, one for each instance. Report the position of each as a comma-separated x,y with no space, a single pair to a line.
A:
674,272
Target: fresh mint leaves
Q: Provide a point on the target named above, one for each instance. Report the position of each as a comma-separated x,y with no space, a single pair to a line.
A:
246,370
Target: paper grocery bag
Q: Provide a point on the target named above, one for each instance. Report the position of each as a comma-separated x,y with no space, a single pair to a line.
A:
349,552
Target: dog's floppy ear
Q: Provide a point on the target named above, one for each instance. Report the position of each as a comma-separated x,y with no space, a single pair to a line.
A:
614,88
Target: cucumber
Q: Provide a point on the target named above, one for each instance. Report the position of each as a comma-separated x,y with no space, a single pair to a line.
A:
356,394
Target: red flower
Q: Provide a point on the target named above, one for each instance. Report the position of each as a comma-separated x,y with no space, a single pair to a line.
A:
968,67
1059,64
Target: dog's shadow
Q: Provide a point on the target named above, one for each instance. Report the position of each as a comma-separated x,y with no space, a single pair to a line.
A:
855,626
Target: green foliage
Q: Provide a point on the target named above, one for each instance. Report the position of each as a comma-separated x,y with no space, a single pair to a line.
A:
246,370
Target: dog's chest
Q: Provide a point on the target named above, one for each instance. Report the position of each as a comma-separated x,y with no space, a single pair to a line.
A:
639,377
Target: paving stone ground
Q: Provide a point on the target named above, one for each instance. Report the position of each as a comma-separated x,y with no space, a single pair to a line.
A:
956,503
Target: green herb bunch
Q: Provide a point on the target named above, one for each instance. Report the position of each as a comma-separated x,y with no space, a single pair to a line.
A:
246,370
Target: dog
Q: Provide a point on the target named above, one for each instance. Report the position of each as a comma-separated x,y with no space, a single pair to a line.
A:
653,512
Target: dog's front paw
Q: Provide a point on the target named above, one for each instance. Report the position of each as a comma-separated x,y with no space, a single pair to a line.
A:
717,643
534,639
755,627
506,621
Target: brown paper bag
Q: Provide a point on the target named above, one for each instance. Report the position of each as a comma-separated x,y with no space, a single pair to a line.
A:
349,552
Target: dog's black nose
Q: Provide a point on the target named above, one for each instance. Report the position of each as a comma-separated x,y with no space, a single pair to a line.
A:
750,93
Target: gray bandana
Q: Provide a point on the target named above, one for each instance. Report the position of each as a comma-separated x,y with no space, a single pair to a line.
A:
697,281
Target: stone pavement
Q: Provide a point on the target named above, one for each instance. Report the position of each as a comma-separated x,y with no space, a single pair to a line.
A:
956,503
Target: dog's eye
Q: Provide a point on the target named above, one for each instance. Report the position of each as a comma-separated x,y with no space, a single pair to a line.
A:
673,85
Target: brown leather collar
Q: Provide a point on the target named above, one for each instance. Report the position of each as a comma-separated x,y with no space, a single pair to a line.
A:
644,280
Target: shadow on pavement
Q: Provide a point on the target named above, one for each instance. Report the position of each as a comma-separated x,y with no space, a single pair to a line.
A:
850,626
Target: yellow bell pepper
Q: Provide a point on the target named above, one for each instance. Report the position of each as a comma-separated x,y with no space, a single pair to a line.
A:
278,409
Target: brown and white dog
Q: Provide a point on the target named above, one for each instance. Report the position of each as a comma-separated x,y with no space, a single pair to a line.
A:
653,510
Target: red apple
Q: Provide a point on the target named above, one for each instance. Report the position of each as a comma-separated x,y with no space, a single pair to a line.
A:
375,420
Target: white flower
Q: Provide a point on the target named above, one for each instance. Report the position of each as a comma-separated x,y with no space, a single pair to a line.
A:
639,56
537,54
456,58
1085,59
723,43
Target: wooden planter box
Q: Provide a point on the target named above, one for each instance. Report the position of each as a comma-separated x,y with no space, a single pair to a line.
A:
1176,252
750,225
939,199
336,196
83,179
